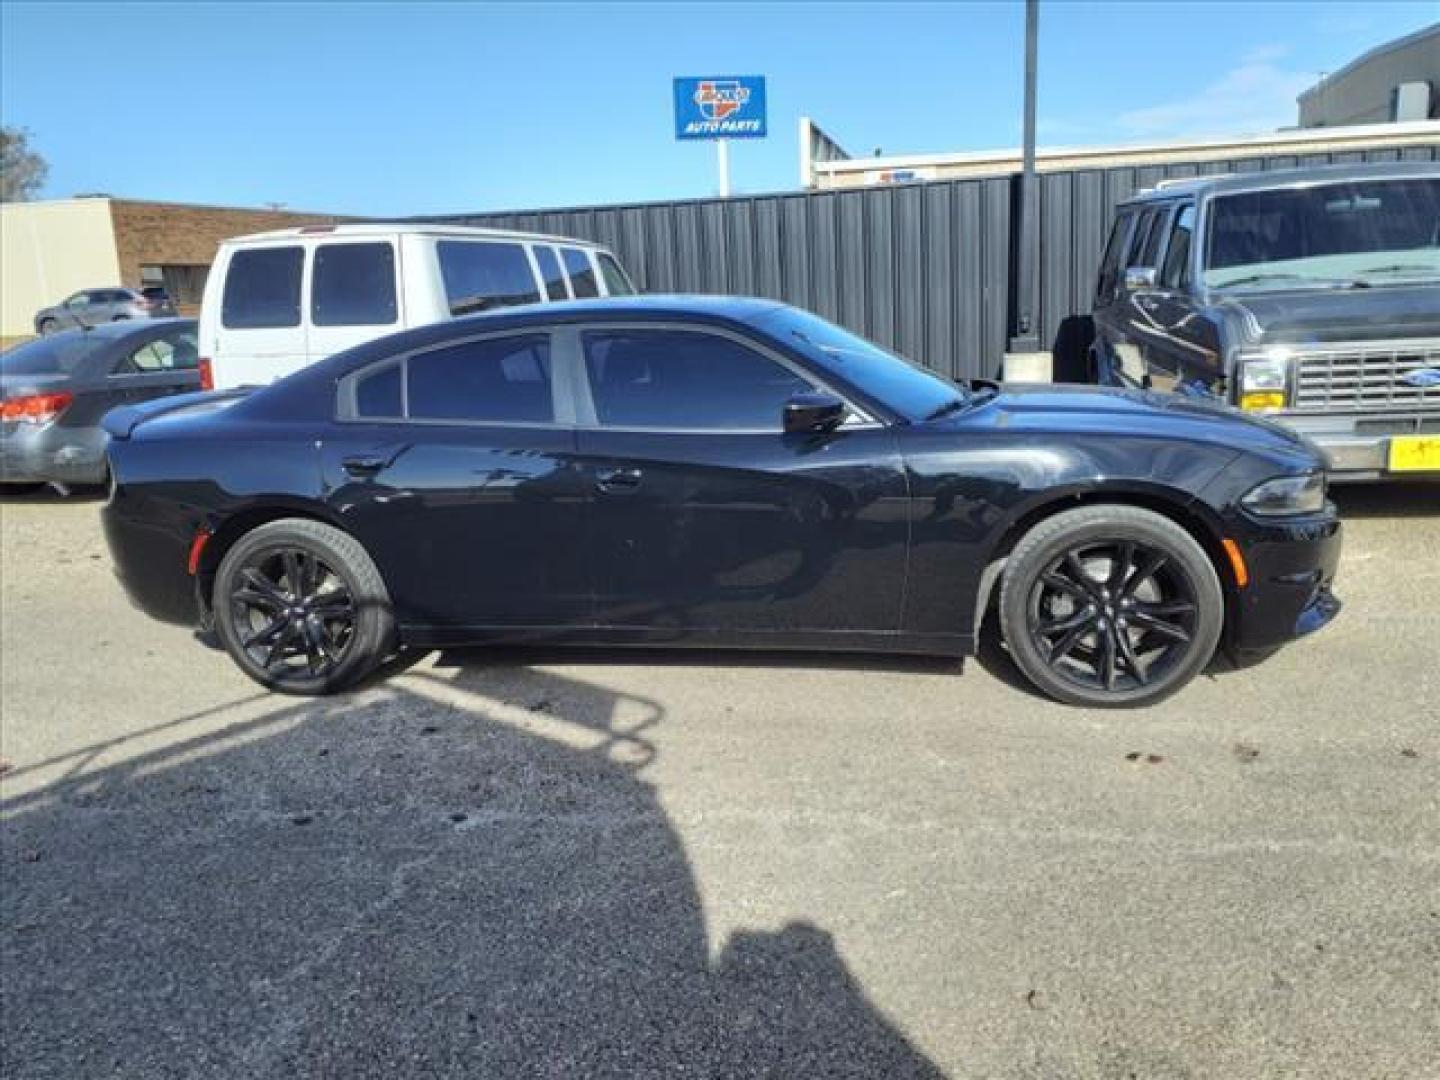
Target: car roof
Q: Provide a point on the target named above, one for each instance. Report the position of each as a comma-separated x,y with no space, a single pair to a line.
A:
122,328
404,228
731,310
1315,175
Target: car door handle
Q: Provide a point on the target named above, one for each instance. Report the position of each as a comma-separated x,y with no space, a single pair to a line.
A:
368,464
617,481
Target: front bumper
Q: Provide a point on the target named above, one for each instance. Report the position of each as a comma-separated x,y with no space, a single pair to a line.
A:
1354,453
1292,576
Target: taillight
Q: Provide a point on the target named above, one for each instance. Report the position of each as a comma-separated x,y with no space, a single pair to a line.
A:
207,374
35,408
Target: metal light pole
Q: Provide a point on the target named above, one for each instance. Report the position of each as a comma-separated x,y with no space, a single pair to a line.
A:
1023,339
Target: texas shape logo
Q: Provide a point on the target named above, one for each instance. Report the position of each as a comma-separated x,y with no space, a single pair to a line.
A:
720,98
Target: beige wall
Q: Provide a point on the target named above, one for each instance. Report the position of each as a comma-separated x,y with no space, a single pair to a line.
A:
49,250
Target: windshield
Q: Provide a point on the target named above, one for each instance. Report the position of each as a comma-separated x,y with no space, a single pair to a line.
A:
913,392
1362,232
58,355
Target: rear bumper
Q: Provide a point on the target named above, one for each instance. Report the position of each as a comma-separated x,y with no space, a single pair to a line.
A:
150,552
1292,577
53,453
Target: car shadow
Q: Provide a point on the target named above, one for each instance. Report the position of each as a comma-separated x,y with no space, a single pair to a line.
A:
1417,498
51,493
450,875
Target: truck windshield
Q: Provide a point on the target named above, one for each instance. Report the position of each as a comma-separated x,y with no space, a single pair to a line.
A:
1354,233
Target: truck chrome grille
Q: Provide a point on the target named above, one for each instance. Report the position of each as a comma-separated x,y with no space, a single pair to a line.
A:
1364,378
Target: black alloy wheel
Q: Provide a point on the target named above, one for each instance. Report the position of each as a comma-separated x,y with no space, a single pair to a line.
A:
301,608
1110,605
296,611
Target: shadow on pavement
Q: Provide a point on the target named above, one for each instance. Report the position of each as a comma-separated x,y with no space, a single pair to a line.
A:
464,876
1411,498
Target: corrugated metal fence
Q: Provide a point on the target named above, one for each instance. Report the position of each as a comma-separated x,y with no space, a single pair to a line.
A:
922,268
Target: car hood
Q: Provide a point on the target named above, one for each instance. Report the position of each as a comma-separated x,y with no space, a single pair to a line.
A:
1094,410
1297,317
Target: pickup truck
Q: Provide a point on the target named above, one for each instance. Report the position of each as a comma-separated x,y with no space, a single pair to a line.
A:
1311,296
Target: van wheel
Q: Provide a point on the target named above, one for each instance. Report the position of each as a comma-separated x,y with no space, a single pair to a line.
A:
1110,606
301,607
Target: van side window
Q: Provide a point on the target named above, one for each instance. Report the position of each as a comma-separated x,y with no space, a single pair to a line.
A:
582,274
616,283
550,272
353,285
480,276
262,288
1110,267
1176,273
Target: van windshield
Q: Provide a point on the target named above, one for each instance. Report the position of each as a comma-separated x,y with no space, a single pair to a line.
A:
1363,233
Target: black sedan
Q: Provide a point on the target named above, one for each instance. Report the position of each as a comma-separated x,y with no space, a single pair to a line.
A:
713,472
54,391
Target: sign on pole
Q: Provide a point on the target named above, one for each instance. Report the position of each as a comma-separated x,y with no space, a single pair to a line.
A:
720,107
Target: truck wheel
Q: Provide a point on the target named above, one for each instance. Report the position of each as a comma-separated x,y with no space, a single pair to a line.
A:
1110,606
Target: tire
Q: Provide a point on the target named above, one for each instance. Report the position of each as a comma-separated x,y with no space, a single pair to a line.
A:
326,634
48,327
1110,606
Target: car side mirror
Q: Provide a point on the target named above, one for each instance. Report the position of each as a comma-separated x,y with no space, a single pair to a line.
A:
813,410
1139,278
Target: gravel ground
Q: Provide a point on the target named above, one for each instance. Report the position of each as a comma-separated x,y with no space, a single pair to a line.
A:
600,864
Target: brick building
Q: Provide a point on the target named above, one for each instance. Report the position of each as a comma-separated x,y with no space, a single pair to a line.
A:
51,249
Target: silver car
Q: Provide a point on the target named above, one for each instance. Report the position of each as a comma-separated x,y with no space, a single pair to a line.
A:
92,307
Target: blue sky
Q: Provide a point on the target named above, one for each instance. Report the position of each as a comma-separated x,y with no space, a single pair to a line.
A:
392,109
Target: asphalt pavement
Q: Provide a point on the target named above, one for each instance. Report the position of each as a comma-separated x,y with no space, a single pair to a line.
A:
498,864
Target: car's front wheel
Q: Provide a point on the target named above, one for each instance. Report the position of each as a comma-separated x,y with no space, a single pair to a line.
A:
48,327
1110,606
301,607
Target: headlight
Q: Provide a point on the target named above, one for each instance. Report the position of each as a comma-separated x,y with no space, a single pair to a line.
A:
1264,380
1287,495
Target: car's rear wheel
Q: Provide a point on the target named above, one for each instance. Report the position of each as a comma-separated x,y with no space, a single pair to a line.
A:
1110,606
301,607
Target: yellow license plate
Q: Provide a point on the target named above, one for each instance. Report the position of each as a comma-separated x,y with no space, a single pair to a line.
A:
1415,453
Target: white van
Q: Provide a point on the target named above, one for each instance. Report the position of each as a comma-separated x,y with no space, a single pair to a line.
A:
277,301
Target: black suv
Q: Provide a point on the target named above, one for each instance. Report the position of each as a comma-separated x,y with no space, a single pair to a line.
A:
1309,295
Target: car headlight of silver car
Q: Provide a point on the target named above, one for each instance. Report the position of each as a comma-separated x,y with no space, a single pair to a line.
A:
1287,495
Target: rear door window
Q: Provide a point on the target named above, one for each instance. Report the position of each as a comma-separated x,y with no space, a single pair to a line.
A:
550,272
616,283
353,285
480,276
582,274
262,288
176,352
495,380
